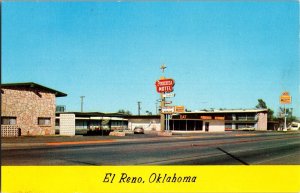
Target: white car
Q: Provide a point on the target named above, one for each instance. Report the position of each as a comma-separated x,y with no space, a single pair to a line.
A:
138,130
294,126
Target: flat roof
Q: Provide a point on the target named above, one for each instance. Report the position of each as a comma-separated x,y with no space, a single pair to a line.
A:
97,114
92,114
34,85
231,111
142,116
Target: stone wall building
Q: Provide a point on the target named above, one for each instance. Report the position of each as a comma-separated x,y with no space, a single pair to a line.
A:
29,108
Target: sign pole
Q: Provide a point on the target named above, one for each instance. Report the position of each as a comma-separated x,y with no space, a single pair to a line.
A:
285,98
162,116
166,122
169,122
163,86
284,118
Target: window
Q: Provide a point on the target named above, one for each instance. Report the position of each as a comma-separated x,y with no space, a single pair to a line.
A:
8,120
245,125
57,122
44,121
246,117
228,117
81,124
228,126
118,123
242,117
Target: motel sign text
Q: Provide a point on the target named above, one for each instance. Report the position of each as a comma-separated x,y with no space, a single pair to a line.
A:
164,85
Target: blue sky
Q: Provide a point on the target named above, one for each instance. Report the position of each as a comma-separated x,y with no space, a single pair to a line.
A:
220,54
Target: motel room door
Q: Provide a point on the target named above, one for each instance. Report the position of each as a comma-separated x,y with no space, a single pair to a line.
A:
206,126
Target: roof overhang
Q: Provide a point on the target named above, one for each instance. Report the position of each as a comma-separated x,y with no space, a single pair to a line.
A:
34,85
228,111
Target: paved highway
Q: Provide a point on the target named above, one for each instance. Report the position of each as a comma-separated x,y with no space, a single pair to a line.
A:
230,148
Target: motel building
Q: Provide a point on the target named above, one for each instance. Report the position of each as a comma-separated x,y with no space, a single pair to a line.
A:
28,109
205,121
89,123
220,120
99,123
82,123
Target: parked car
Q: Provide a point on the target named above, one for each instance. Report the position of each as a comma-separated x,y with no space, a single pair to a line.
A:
138,130
294,126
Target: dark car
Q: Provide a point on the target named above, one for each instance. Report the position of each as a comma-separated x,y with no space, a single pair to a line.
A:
138,130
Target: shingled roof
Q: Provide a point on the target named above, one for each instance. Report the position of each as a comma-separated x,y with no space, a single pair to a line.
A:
34,85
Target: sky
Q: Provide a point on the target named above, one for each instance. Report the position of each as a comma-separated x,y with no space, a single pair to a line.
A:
220,54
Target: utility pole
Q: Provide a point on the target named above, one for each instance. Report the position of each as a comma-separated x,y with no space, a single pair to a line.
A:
81,97
139,108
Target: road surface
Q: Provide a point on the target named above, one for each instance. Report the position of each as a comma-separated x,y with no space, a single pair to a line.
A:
230,148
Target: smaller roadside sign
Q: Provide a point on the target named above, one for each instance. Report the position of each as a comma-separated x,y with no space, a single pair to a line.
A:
285,98
168,102
167,110
179,109
206,117
168,95
219,118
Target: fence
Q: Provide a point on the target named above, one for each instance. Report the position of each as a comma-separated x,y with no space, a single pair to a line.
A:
10,131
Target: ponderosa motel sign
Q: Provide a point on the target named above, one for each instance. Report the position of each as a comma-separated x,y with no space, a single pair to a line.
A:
164,85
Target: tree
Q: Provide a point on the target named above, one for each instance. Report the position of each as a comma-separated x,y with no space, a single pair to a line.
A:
148,113
124,112
261,104
271,116
289,115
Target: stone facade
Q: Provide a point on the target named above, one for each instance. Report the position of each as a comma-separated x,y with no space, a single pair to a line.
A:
262,122
28,105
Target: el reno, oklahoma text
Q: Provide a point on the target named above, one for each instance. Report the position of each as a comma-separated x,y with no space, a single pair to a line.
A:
153,178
